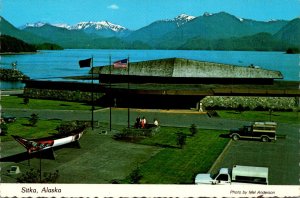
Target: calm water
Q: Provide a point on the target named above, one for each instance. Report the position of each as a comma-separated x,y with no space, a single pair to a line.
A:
53,65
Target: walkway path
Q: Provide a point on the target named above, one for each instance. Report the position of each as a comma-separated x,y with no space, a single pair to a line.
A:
180,118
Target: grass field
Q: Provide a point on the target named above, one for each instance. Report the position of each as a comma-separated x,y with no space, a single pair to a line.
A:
22,128
17,102
175,165
286,117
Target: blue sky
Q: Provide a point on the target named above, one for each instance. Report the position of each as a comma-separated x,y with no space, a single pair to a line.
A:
135,14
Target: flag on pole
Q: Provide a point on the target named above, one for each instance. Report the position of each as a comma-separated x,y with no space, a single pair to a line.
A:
121,63
85,63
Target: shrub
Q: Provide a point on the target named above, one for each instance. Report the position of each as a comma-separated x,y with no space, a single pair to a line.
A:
70,126
242,103
132,134
34,118
25,100
115,181
33,176
3,129
181,139
124,134
193,129
135,176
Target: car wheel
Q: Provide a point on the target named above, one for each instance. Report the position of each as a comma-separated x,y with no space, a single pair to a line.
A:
235,137
264,139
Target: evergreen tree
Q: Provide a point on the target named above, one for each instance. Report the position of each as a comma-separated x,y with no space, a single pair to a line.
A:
193,129
181,139
34,118
11,44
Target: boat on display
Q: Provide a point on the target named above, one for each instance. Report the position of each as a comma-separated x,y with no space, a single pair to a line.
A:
36,145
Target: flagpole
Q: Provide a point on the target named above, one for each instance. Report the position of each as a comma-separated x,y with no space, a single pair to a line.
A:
128,110
40,166
28,158
92,93
110,94
87,63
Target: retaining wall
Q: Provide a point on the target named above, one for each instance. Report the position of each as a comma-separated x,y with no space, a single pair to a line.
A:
66,95
68,91
251,102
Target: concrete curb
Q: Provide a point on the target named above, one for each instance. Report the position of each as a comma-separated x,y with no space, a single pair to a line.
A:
178,111
220,156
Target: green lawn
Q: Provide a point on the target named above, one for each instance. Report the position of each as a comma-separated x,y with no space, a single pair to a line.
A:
286,117
174,165
17,102
22,128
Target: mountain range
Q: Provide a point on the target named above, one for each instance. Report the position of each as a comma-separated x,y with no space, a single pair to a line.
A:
101,28
220,31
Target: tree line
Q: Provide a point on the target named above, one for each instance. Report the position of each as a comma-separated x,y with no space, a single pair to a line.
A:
257,42
13,45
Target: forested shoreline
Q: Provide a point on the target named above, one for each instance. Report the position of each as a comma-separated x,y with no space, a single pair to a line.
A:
13,45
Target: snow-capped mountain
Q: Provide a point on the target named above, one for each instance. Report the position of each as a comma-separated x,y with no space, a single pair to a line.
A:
180,19
101,28
206,14
156,30
37,24
161,34
62,25
80,26
183,18
98,26
41,24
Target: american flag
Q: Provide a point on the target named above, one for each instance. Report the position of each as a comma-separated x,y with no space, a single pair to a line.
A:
121,63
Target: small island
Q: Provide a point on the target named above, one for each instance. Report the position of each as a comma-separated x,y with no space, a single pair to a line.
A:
12,75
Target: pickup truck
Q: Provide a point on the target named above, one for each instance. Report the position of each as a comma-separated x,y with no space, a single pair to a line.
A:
238,175
264,131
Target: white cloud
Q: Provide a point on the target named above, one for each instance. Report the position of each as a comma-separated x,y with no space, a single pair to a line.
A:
113,7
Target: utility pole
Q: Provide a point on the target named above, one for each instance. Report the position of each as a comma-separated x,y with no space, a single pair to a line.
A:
128,87
93,93
110,93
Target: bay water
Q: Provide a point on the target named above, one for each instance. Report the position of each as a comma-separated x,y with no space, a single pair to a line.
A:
54,65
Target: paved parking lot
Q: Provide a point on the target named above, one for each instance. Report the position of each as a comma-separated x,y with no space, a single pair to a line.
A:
282,157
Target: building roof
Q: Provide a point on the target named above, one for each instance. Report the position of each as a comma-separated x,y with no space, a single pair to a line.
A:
186,68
